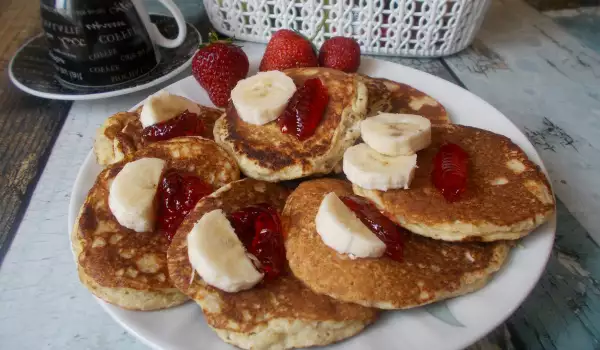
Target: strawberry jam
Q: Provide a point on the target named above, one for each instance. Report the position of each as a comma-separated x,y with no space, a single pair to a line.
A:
185,124
385,229
450,171
259,228
177,195
243,222
305,109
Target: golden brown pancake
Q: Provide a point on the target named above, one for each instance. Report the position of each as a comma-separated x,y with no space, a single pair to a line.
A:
277,314
265,153
507,195
393,97
431,270
129,268
121,134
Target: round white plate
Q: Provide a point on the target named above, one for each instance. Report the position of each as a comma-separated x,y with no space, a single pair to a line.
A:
31,70
449,325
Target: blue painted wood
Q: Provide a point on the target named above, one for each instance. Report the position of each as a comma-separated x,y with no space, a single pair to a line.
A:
563,311
539,74
544,5
582,23
548,84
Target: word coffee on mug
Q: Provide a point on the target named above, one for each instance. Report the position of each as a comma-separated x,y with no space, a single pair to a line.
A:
104,42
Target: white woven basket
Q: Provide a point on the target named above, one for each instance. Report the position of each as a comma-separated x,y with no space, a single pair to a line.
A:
415,28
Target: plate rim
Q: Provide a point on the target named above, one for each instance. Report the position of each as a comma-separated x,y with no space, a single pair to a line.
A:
466,341
98,95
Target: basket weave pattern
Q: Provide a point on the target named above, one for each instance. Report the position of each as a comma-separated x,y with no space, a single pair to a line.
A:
413,28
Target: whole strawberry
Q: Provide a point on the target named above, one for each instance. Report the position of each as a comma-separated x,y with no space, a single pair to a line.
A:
288,49
340,53
218,66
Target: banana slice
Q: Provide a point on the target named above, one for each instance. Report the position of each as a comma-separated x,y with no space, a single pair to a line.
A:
218,255
132,192
396,134
341,230
261,98
163,106
371,170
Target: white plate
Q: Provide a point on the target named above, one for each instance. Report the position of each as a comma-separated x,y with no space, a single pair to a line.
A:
449,325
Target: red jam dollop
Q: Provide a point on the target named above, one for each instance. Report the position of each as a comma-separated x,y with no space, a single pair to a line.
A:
385,229
185,124
450,171
177,195
305,109
259,229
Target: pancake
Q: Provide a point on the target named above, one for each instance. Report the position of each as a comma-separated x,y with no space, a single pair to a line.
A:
121,134
265,153
128,268
277,314
507,195
431,270
392,97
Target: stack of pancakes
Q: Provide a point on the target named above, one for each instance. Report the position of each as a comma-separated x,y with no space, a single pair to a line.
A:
323,297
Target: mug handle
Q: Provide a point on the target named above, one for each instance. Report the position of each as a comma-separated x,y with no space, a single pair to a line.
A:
153,31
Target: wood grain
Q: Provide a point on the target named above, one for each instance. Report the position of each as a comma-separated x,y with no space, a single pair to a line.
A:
544,5
563,310
546,81
583,23
548,84
28,125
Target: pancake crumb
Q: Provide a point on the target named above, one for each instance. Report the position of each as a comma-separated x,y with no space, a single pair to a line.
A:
516,165
499,181
114,239
98,242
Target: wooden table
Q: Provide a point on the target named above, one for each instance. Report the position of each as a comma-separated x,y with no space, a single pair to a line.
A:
542,70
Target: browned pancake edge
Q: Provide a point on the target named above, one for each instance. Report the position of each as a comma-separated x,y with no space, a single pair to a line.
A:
392,97
285,298
431,270
265,153
129,268
507,195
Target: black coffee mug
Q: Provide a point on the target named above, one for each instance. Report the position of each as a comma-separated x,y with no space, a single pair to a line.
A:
96,43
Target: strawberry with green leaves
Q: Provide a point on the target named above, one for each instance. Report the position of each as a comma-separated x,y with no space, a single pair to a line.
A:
218,66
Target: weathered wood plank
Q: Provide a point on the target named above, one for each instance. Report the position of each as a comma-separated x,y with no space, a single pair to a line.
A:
544,5
563,310
28,125
583,23
544,80
430,65
548,84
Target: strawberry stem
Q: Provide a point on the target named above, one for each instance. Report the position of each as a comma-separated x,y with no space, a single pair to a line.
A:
213,38
319,29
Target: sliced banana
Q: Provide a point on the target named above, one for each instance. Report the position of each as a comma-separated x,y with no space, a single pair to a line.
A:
218,255
396,134
163,106
341,230
261,98
371,170
131,197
